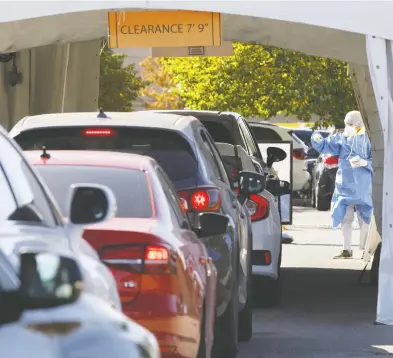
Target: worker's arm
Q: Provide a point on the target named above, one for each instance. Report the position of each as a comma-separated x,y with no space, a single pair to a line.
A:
330,145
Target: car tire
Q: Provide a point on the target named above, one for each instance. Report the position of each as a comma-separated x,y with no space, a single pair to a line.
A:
313,198
226,329
245,315
321,203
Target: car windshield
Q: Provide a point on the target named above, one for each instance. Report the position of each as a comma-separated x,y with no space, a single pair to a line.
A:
305,135
265,134
298,140
167,147
130,187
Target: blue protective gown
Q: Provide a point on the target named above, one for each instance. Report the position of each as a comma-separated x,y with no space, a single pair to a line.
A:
353,185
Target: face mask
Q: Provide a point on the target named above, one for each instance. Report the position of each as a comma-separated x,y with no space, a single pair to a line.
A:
349,131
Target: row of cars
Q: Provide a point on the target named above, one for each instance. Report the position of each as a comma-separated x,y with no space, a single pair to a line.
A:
165,217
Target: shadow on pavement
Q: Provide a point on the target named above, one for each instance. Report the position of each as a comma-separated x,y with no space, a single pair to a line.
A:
324,313
298,209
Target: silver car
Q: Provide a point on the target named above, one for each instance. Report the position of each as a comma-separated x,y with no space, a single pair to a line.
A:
47,313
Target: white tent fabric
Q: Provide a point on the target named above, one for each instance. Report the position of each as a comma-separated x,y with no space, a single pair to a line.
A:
380,59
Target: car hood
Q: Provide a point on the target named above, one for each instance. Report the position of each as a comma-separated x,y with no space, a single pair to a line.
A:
89,327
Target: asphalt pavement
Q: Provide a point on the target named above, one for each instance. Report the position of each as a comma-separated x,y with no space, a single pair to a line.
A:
325,313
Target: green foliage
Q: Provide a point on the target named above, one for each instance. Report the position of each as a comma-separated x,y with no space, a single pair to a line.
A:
263,82
119,85
159,92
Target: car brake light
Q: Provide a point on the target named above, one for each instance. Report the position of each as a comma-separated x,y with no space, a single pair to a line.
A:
330,161
128,264
99,132
258,207
156,253
299,154
201,199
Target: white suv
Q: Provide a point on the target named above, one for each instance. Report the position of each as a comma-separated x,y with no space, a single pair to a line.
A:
267,132
266,228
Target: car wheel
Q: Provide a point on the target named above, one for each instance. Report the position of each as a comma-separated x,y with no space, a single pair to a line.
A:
321,203
313,197
226,332
245,315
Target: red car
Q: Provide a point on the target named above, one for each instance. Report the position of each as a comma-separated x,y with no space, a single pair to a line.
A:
165,278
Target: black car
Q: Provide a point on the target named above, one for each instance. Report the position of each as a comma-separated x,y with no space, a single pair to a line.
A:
323,181
304,134
230,128
186,151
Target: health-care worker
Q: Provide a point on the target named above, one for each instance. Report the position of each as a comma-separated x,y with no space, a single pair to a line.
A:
353,179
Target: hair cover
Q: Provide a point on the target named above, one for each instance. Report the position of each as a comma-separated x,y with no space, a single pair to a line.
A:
354,118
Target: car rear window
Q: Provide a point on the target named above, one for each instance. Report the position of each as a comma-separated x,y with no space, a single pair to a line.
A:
130,187
167,147
265,134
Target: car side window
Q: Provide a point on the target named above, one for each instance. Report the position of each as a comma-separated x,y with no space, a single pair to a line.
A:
209,154
24,184
8,277
249,138
177,213
217,158
8,203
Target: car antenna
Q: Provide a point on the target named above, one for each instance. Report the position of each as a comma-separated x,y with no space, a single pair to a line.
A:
44,154
102,114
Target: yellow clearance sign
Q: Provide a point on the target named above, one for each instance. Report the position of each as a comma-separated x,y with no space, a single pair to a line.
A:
164,29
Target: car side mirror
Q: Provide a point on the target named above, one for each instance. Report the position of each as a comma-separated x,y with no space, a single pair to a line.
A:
278,187
274,155
90,204
48,279
211,224
251,183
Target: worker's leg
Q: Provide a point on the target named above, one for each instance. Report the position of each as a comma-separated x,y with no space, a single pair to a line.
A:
346,228
364,230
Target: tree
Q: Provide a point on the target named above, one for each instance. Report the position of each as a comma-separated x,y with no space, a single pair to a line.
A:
160,91
119,85
262,82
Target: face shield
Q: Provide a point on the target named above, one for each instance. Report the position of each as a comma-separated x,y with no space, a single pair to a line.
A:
353,124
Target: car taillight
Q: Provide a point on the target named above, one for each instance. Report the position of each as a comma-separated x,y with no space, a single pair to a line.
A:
330,161
299,154
128,264
258,207
201,199
99,132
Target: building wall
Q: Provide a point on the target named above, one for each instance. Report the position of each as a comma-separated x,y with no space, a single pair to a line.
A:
55,78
